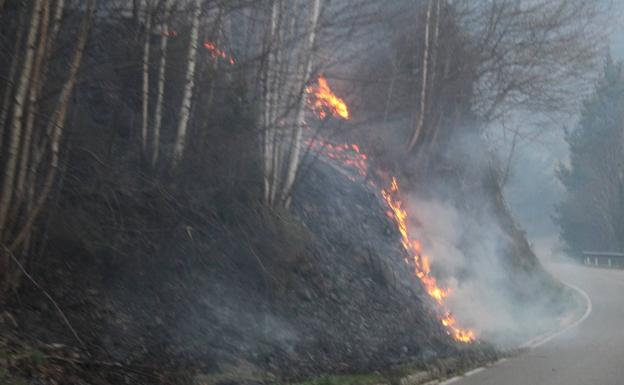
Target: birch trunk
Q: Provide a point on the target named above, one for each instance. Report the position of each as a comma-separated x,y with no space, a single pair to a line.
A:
8,93
56,126
268,102
185,109
145,93
33,101
278,89
423,82
56,24
293,160
164,38
16,121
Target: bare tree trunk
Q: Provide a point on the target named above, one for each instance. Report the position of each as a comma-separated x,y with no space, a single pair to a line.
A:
56,23
185,109
56,126
8,93
278,89
145,93
16,121
33,101
268,90
214,62
161,82
293,159
423,82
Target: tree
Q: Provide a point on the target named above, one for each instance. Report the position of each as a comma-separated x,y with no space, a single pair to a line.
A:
290,42
591,214
164,38
8,182
189,83
424,80
145,84
25,155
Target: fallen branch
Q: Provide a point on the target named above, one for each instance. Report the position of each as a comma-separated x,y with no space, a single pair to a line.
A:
58,308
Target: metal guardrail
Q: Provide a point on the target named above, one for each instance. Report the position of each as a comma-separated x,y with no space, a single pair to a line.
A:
603,258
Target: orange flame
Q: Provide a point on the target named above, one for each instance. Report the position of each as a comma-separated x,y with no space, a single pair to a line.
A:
347,154
351,156
322,100
421,265
217,52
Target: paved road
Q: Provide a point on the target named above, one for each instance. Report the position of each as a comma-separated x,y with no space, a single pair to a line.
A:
591,353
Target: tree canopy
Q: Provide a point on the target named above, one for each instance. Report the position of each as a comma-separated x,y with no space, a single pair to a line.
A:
591,214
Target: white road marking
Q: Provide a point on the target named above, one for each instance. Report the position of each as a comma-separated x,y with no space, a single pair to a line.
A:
450,381
537,341
540,340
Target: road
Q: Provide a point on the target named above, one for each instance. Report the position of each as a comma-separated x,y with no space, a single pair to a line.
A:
590,353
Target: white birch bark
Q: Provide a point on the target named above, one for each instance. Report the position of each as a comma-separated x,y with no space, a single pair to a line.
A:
33,100
268,91
164,38
16,120
423,88
185,109
56,23
293,160
278,88
56,126
8,92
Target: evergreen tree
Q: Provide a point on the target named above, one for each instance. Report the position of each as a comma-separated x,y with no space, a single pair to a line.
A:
591,214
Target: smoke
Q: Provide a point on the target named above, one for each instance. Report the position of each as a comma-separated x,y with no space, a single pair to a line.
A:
470,257
498,287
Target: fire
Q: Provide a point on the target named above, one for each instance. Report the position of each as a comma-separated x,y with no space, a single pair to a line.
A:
323,101
420,264
350,155
217,52
347,154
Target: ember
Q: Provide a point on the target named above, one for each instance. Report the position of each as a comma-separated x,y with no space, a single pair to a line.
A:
217,52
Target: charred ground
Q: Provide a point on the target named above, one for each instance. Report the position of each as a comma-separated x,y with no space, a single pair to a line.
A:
183,293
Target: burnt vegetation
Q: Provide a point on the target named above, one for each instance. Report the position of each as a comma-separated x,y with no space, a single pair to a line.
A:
165,216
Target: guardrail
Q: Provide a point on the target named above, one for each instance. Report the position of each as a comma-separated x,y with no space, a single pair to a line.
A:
603,258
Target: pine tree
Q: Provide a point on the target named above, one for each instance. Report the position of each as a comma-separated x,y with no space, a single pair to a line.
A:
591,214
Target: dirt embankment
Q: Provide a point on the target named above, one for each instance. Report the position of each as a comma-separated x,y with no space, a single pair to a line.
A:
162,293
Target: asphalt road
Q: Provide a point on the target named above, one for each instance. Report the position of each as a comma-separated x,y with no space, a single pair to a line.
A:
589,353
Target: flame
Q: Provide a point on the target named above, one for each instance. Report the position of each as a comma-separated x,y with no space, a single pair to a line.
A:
322,100
421,265
347,154
217,52
350,155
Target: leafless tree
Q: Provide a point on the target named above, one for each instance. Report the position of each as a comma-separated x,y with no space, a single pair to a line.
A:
185,109
24,154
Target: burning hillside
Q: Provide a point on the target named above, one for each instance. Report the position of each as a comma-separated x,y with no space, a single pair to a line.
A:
322,101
